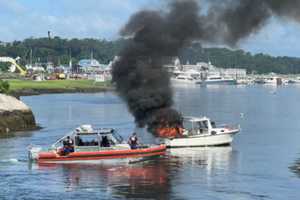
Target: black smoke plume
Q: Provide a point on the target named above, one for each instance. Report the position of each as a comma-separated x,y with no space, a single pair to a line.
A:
155,36
229,21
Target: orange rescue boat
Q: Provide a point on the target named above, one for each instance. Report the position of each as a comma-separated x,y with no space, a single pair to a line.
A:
88,145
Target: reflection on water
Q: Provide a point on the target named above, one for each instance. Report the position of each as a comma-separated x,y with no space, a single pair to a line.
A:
137,180
295,168
16,134
210,157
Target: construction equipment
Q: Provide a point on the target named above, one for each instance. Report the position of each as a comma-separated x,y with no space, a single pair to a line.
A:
61,76
14,65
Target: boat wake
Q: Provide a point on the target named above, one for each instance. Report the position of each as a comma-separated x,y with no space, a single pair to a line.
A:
10,160
13,161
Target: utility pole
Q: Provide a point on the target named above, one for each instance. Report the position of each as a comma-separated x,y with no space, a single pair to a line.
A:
30,59
49,35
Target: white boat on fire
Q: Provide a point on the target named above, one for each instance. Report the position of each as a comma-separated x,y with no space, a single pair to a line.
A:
201,131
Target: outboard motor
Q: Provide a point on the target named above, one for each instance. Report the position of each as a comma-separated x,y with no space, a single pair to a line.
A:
33,153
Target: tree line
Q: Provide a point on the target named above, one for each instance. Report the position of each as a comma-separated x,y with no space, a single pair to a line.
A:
59,51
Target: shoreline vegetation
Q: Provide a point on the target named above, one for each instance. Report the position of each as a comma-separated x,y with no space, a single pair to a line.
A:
29,87
58,50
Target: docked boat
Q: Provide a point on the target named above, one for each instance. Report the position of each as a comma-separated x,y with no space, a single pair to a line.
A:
295,80
216,79
245,81
183,79
273,81
189,77
86,144
199,132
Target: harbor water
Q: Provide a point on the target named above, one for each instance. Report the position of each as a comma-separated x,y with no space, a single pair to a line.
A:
262,162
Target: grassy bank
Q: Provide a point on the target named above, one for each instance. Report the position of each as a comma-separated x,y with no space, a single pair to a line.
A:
29,87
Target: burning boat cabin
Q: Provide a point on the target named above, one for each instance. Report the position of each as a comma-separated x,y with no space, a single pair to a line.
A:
202,132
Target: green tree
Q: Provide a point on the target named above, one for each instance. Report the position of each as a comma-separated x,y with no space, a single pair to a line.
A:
4,66
4,87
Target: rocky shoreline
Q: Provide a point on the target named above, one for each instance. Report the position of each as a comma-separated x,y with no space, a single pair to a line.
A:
17,121
15,115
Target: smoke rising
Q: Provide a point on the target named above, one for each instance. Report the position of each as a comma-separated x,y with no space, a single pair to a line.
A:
155,36
140,77
232,20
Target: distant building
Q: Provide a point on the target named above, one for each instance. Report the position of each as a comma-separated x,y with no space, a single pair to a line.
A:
62,69
36,67
91,65
4,44
50,67
234,72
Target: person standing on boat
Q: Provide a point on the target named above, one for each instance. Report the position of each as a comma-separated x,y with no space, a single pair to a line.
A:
105,142
68,145
133,141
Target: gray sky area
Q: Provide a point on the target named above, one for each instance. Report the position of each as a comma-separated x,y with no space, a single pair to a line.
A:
21,19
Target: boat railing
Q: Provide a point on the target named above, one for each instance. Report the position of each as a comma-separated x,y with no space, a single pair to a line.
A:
54,146
229,126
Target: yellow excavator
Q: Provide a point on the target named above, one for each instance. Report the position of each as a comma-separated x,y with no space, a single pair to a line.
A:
14,65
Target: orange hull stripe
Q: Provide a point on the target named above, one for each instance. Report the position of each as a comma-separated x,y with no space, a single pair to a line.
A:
100,157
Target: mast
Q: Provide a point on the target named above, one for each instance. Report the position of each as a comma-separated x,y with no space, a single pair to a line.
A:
70,59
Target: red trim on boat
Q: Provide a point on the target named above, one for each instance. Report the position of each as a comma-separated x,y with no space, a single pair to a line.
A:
110,154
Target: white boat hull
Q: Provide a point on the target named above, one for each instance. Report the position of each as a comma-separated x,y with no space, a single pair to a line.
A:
220,82
200,140
183,81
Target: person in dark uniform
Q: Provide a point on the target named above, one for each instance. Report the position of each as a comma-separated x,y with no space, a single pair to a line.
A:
105,142
68,145
133,141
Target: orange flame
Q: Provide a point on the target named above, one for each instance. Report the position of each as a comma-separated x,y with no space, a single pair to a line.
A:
169,132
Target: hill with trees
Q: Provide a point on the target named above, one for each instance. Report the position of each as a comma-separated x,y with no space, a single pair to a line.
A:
226,58
59,51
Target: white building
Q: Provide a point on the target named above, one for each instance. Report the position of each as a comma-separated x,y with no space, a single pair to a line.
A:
234,73
91,65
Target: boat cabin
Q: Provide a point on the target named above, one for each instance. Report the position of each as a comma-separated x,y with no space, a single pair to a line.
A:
85,138
197,126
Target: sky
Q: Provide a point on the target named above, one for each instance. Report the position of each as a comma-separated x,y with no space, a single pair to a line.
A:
102,19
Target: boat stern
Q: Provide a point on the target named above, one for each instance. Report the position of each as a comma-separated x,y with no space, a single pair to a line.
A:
33,153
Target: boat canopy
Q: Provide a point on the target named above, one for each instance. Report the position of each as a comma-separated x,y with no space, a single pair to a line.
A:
195,119
88,130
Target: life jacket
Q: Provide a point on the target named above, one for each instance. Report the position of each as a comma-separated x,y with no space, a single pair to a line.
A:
133,140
